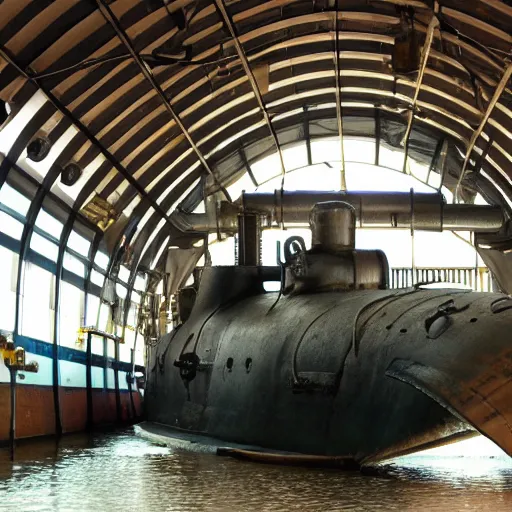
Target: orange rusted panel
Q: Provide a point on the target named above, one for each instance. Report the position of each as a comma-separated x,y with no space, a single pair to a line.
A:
73,406
5,408
34,411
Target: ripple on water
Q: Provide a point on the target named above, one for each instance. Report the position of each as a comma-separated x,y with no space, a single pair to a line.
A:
121,471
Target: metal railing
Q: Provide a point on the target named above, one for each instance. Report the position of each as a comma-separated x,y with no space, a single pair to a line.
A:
478,279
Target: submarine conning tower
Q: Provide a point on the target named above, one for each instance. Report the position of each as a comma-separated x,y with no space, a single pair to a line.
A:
333,226
332,263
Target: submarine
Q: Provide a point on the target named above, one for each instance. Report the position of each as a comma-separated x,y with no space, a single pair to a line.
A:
335,363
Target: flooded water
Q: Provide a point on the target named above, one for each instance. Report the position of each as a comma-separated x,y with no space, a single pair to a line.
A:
120,471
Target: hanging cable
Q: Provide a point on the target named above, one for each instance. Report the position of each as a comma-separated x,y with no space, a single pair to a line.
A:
156,58
339,119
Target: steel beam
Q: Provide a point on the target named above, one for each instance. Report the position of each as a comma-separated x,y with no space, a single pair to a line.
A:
377,136
226,18
476,134
247,166
434,23
89,268
307,135
435,158
81,127
148,75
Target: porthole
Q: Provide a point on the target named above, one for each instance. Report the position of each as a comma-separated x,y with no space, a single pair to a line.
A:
248,364
229,363
38,148
70,174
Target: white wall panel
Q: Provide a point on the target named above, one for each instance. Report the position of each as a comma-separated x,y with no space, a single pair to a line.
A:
44,376
110,379
97,377
72,375
123,384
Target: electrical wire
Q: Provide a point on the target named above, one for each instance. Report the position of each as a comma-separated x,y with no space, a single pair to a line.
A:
156,58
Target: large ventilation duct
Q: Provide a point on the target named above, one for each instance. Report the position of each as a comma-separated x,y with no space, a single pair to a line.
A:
372,210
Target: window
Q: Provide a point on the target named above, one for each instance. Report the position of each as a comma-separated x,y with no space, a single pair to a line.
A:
394,159
325,150
79,244
140,282
295,156
93,305
101,259
74,265
9,266
267,168
125,349
105,318
70,315
139,351
14,199
159,253
121,291
38,303
44,247
124,274
11,130
223,253
10,227
132,314
235,190
97,278
49,224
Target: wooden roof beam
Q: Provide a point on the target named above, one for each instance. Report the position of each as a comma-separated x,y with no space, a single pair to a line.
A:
148,75
476,134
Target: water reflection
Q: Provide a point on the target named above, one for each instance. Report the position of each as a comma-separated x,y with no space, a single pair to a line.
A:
121,471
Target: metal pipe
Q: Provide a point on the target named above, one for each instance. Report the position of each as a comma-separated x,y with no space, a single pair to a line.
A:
470,217
419,211
380,209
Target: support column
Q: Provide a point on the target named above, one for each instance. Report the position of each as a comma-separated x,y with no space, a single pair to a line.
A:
12,428
248,240
88,376
116,380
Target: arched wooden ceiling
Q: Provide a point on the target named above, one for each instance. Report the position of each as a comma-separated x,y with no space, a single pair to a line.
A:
161,93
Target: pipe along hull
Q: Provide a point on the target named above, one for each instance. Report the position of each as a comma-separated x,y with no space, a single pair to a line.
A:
369,374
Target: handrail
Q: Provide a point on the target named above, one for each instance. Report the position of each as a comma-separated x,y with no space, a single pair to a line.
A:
476,278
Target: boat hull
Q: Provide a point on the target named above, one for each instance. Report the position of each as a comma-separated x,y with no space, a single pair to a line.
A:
320,373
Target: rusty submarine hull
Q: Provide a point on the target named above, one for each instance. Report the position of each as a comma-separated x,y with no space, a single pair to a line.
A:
335,364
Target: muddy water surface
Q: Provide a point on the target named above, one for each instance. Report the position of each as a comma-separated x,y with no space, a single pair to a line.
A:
120,471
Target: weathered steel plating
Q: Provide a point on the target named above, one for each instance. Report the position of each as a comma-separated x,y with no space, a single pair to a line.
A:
362,373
